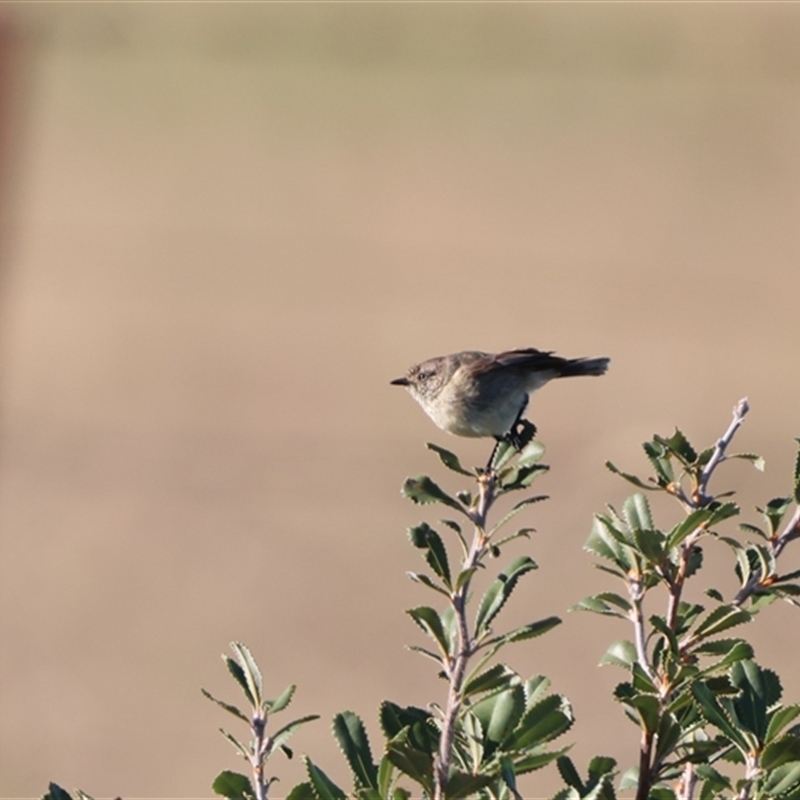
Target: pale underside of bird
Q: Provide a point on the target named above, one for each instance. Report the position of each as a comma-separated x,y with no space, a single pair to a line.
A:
480,394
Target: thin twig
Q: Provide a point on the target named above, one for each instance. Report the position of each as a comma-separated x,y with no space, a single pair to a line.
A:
466,646
739,412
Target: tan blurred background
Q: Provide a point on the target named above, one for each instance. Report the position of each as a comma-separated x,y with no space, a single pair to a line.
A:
231,225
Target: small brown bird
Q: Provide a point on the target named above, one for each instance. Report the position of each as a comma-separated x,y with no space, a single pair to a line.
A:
485,394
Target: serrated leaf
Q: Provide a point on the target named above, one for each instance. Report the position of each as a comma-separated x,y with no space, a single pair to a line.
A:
420,577
679,445
597,605
629,477
636,511
239,677
780,718
721,619
774,512
521,477
463,577
233,785
531,630
758,690
499,591
323,786
282,701
349,732
783,780
303,791
450,460
516,509
756,460
282,734
780,751
250,670
499,713
604,542
429,620
650,544
424,537
714,713
463,784
496,677
55,792
569,774
422,490
414,763
227,706
621,653
237,745
541,723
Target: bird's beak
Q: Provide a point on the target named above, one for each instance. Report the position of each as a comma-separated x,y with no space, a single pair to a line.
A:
400,382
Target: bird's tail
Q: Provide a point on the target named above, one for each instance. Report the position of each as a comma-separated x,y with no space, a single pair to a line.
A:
584,366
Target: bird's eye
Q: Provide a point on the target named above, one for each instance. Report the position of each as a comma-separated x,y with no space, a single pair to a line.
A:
423,376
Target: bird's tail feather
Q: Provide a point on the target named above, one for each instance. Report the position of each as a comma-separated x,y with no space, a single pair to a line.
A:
585,366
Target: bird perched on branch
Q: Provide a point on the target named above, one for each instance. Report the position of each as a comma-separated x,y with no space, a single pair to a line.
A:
485,394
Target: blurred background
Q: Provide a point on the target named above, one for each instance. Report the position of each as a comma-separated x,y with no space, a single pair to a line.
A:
226,228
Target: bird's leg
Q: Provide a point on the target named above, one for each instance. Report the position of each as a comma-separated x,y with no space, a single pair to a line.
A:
513,434
498,440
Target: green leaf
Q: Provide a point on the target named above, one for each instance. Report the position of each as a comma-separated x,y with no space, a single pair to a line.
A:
422,490
697,519
569,774
520,477
464,576
636,511
394,719
720,619
499,713
463,784
415,763
630,478
238,746
606,542
252,673
227,706
714,713
420,577
283,700
496,677
282,734
233,785
621,653
239,677
429,620
531,630
786,748
303,791
349,731
774,511
649,543
679,445
500,590
543,722
323,786
780,719
516,509
598,605
450,460
55,792
660,459
757,461
426,538
758,690
783,781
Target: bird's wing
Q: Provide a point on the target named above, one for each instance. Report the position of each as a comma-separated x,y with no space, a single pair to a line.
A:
528,358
